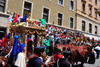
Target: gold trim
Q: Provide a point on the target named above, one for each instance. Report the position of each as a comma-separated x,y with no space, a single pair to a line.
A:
26,30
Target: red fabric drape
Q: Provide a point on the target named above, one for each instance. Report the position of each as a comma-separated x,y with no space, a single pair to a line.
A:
4,42
29,45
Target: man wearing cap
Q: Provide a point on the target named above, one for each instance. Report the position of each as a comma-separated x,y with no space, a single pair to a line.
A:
64,61
37,61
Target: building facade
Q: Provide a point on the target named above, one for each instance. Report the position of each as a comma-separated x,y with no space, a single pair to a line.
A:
62,12
80,15
4,24
87,18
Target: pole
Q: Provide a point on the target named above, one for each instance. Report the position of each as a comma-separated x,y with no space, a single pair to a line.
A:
42,37
25,42
10,41
53,36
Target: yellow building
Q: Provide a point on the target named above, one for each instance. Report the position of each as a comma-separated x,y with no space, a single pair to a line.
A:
62,12
80,15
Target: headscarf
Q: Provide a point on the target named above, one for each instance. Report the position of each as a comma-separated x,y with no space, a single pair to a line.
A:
14,49
8,36
21,48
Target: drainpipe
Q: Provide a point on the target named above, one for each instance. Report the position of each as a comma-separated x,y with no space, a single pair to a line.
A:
75,17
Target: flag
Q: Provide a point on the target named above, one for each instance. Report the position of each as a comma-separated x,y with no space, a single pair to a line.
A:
15,19
10,18
52,27
36,22
74,35
24,19
42,21
52,30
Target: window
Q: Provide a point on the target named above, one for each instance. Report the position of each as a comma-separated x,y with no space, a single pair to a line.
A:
83,7
27,9
96,2
71,22
2,5
96,13
46,14
71,5
59,19
2,32
95,29
90,28
83,25
90,10
60,2
90,0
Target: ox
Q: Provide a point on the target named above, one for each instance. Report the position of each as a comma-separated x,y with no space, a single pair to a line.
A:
79,53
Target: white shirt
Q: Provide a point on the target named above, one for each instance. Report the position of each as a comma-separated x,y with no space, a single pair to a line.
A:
20,62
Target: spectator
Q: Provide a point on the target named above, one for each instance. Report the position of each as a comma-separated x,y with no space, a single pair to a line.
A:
57,55
51,48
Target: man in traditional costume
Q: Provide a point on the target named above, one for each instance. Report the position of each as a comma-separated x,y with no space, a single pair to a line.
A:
47,44
20,61
64,61
37,61
16,49
14,53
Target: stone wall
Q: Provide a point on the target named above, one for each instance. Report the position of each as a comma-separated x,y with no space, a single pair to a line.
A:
4,21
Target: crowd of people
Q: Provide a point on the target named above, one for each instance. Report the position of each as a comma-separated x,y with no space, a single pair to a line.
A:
57,35
57,58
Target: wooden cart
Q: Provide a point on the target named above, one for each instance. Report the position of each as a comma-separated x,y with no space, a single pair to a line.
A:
15,30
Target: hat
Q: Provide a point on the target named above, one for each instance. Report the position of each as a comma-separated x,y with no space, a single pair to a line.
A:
67,52
22,47
97,48
89,44
8,36
40,49
16,37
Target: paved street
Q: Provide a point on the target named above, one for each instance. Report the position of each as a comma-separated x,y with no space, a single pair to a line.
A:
97,64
